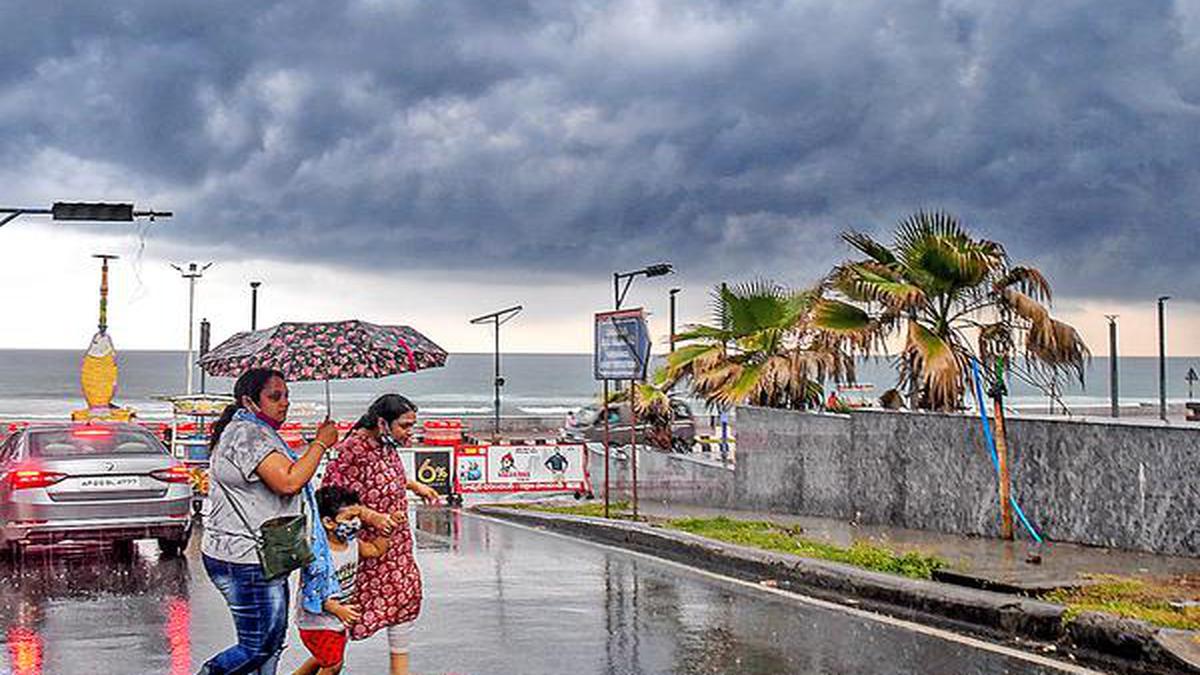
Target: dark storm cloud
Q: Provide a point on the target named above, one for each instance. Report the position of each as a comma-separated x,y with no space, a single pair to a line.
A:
735,138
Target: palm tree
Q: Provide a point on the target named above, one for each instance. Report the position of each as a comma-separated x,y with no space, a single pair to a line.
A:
939,287
762,348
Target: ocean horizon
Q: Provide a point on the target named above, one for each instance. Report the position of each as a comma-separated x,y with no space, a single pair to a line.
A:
44,384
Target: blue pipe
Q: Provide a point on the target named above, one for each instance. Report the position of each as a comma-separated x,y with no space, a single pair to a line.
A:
991,442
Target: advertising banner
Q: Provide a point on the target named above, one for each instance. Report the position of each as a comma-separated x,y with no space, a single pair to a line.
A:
429,465
521,468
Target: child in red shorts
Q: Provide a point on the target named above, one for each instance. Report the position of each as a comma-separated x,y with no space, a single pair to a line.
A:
325,634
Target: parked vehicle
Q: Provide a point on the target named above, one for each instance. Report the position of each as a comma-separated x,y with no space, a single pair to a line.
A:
75,481
586,425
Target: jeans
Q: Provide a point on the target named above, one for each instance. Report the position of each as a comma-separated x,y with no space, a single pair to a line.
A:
260,617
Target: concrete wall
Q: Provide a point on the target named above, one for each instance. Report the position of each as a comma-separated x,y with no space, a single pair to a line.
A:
666,478
534,425
1107,484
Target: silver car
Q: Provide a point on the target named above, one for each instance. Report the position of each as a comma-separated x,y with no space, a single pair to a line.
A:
109,482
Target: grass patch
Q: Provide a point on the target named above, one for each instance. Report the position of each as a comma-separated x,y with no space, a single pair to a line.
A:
767,536
618,510
772,537
1134,598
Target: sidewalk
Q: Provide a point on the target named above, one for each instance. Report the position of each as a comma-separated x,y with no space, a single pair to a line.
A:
991,564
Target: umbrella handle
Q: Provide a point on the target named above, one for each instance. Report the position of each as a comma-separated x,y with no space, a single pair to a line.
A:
328,402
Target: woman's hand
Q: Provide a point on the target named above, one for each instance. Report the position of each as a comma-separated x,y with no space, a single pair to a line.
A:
327,433
380,522
399,519
426,493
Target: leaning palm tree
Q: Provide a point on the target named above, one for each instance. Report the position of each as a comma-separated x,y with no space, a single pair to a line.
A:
952,298
762,348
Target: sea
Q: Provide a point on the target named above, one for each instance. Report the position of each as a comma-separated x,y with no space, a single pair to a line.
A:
44,385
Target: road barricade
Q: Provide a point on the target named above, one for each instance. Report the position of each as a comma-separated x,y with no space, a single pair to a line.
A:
491,469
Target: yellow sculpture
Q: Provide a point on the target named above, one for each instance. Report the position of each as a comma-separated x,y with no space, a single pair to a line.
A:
98,374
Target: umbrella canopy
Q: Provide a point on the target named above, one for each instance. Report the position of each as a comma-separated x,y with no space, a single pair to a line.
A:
337,350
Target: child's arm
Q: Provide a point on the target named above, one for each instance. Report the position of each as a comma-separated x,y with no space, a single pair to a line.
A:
373,548
348,614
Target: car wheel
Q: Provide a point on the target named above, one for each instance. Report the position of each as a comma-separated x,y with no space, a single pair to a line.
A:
124,549
171,548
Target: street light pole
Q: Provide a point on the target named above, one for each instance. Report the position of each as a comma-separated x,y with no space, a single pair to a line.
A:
1162,360
254,304
191,273
619,293
205,343
1114,390
673,292
497,319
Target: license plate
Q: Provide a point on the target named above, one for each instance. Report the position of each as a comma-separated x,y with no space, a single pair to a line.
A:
108,482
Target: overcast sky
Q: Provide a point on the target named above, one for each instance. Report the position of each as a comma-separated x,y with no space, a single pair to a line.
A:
423,162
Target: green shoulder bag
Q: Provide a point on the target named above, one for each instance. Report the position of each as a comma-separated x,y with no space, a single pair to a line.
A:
281,542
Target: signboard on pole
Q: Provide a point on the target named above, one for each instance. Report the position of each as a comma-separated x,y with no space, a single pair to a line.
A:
622,345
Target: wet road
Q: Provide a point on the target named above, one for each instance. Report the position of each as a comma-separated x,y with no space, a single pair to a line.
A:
499,599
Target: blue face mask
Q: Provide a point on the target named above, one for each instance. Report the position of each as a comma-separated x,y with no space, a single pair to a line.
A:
386,438
348,530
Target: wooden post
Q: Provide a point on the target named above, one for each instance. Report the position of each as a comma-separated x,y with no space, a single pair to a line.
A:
633,445
1006,515
607,445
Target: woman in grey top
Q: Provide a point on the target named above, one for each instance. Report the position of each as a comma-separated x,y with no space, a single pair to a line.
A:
251,465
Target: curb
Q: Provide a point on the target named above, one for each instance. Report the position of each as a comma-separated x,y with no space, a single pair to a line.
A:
1109,642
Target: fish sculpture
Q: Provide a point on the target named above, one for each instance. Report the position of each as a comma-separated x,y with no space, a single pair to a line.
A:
98,375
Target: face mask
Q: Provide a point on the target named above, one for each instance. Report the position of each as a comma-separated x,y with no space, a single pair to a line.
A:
348,530
387,439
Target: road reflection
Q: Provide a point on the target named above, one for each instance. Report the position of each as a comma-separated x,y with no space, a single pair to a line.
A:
59,605
498,599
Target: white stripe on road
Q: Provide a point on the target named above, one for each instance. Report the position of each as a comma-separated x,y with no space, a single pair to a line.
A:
817,602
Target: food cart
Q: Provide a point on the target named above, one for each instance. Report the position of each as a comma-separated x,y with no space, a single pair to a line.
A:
187,436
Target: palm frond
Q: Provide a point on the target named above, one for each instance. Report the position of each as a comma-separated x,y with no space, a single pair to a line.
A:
1028,280
1048,340
939,254
932,359
874,283
840,317
869,247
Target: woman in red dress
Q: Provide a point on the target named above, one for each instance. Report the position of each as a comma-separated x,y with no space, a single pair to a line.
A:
388,589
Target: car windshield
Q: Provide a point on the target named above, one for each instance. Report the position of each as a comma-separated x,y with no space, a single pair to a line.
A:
586,417
93,441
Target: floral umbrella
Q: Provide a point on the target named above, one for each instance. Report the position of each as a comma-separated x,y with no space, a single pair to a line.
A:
337,350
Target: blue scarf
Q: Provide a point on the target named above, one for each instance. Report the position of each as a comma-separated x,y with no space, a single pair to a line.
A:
318,579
